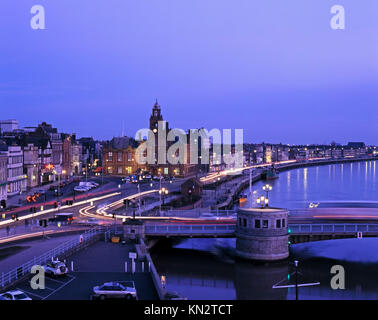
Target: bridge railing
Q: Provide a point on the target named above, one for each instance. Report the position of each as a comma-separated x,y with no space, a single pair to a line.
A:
333,228
196,213
189,229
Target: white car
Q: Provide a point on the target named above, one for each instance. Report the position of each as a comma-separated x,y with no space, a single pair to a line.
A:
82,189
15,295
94,184
55,268
115,290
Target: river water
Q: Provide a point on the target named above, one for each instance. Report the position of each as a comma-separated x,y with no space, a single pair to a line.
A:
206,268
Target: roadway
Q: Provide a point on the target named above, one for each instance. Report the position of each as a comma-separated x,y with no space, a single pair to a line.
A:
113,191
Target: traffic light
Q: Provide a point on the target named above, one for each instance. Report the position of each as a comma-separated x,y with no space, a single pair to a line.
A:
55,205
34,209
124,201
3,204
13,217
113,216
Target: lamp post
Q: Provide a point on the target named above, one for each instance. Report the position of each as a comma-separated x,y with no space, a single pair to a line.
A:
138,186
160,177
250,188
163,192
296,279
262,201
267,188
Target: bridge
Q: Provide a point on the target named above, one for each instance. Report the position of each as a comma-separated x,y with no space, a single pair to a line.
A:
303,225
158,229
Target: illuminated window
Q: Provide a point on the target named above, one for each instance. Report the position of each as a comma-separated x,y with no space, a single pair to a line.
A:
265,223
119,170
120,157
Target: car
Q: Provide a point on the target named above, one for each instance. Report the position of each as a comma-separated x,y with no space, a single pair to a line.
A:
126,180
95,184
55,268
115,290
15,295
81,189
53,187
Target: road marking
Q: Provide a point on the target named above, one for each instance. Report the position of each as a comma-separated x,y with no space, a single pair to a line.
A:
54,280
58,289
29,293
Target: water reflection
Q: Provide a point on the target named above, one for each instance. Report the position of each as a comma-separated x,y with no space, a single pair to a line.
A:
210,274
207,269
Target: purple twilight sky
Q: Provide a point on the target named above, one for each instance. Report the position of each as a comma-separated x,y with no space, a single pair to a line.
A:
274,68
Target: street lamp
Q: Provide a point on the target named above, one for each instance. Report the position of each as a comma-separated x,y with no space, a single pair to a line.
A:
138,186
262,201
163,192
267,188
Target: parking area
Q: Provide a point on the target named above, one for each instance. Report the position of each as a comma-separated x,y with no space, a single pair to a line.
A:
98,264
79,285
52,286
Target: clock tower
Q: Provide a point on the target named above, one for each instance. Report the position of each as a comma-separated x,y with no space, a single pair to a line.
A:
156,116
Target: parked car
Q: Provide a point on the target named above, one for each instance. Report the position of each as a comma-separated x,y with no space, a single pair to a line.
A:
55,268
82,189
115,290
15,295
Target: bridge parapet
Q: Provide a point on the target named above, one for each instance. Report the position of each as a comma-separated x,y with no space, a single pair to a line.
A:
333,228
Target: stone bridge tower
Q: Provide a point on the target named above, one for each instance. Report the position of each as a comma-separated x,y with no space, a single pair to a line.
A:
262,234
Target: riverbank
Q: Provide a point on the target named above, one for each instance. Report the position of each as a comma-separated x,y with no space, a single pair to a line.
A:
244,183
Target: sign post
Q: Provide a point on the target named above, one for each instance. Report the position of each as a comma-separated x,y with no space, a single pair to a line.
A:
132,256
